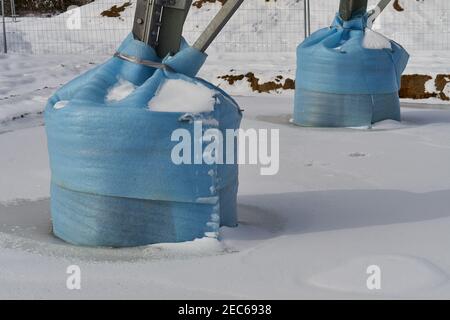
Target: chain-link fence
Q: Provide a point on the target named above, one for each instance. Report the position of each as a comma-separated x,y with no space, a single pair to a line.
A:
259,26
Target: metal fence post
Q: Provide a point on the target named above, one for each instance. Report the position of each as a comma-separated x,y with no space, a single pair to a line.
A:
13,11
5,46
307,12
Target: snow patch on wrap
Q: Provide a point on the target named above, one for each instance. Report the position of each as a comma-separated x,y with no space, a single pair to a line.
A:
183,96
375,40
113,180
348,76
120,90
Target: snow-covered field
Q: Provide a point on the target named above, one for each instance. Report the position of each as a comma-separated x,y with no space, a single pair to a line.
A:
343,200
262,36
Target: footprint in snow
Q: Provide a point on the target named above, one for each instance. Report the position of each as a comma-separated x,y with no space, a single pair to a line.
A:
400,275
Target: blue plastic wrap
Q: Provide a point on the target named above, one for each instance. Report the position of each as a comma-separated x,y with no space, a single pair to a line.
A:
340,83
113,179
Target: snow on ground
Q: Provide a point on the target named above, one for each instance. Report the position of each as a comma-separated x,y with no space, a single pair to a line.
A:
26,81
343,200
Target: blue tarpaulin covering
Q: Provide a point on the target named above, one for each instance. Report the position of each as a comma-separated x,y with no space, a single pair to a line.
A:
340,83
113,180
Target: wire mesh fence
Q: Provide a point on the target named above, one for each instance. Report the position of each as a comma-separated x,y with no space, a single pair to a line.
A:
79,30
426,26
259,26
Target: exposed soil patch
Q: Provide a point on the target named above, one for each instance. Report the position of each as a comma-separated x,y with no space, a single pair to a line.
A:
232,78
257,86
115,11
397,6
200,3
413,87
442,80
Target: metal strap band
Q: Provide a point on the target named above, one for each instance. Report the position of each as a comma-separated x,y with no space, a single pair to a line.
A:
146,63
